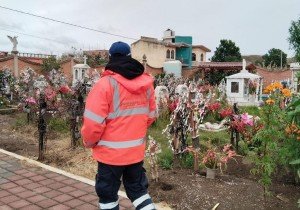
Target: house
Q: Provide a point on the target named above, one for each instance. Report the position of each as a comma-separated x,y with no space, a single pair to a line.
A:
170,48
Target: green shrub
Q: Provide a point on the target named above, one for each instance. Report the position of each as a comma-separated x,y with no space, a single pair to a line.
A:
58,124
165,159
187,160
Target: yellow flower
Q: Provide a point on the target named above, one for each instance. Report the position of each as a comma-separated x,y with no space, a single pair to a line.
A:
286,92
270,101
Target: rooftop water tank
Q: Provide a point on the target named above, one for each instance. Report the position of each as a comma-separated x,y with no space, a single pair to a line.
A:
173,67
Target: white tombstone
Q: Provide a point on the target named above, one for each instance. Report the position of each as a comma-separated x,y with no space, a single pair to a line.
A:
80,71
237,87
161,96
181,90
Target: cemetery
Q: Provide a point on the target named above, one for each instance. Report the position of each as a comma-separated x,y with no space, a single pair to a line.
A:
218,143
226,130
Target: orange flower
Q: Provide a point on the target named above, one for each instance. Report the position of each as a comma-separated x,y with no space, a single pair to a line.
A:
270,101
286,92
288,130
277,85
294,128
269,88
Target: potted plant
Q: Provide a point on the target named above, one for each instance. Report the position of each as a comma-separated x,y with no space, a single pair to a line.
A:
214,159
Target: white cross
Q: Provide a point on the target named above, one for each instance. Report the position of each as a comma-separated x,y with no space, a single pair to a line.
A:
85,58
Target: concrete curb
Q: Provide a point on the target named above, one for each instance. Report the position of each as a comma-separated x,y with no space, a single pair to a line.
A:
159,206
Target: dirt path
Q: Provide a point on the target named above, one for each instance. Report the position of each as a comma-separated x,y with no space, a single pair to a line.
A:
180,188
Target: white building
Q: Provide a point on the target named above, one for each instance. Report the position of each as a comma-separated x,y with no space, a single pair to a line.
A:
80,71
238,87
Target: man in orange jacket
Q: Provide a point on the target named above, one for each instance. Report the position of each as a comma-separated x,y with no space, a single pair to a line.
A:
118,111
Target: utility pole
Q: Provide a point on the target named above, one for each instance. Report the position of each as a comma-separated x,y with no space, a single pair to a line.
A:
281,59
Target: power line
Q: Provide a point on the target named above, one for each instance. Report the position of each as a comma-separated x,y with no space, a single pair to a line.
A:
71,24
39,37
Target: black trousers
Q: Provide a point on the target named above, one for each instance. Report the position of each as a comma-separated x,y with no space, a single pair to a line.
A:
108,181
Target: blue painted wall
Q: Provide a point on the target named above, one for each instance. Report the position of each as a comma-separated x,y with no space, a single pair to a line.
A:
184,53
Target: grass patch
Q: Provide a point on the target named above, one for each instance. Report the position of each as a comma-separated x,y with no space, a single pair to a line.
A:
21,121
187,160
58,124
165,158
252,110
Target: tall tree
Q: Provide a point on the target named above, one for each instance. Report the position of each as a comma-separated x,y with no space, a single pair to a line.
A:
227,52
294,38
274,57
50,63
94,61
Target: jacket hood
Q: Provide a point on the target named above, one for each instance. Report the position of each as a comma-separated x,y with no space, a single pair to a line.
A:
125,66
137,85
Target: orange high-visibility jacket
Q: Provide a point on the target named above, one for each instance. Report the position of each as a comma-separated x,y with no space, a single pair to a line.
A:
117,114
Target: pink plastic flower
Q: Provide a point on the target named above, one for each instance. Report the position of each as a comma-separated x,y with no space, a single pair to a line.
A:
50,93
226,147
31,101
246,119
224,159
231,154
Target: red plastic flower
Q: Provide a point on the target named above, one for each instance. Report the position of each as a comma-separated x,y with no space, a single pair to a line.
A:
225,112
214,107
64,89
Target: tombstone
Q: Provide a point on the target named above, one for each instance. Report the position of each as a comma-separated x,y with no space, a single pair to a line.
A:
161,97
181,90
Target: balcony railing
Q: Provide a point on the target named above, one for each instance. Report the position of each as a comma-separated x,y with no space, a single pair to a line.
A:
33,55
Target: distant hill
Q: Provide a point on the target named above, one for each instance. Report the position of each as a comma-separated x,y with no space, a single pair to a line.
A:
291,60
255,59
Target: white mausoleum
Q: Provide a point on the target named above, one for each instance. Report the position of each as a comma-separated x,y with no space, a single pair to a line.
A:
80,71
244,88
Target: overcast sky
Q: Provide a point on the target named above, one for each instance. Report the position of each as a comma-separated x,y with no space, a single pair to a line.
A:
254,25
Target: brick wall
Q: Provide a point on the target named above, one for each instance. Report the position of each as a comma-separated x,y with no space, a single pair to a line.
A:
66,68
22,65
188,73
153,71
270,76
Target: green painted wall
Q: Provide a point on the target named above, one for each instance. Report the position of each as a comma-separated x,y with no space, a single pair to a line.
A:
184,53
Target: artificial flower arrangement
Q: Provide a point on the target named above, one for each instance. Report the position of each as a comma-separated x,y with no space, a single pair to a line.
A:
252,87
214,159
246,125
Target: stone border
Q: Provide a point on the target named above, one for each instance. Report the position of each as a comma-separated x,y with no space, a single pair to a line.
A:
159,206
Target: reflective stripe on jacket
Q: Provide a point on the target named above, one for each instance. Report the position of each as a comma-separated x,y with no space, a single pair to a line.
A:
117,114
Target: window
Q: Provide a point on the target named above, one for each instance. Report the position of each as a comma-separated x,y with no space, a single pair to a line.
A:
234,87
193,56
173,54
168,53
76,74
82,74
202,57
